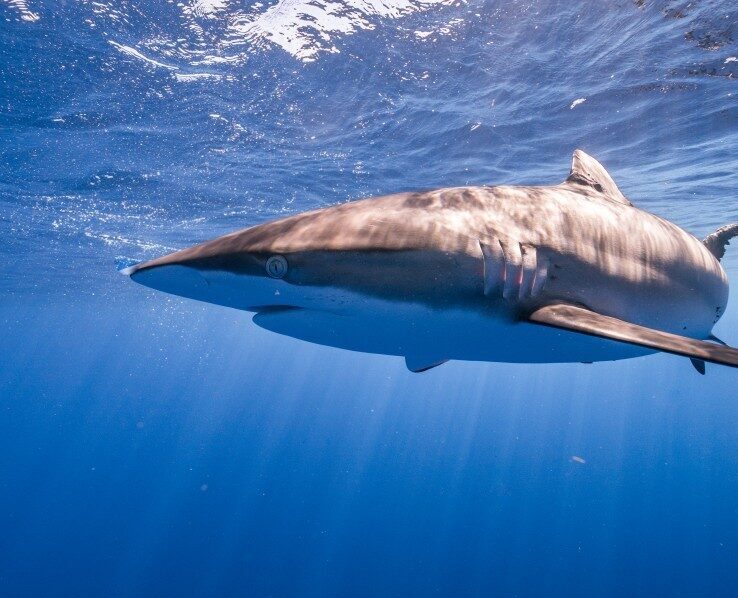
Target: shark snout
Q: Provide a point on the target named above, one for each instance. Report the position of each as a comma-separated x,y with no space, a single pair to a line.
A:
177,279
249,290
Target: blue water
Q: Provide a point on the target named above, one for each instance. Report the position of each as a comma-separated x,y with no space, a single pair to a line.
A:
153,446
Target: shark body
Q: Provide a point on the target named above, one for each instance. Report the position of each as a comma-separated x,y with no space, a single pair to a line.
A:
562,273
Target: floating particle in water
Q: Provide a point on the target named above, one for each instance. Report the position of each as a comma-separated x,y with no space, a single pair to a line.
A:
576,103
578,459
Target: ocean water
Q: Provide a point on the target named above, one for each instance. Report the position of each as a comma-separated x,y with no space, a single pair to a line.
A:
155,446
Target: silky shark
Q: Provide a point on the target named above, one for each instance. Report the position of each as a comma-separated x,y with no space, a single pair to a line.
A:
531,274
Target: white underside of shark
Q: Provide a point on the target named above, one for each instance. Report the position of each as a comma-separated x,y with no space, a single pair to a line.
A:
425,336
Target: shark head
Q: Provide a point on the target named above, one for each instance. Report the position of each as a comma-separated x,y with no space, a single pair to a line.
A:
249,270
328,259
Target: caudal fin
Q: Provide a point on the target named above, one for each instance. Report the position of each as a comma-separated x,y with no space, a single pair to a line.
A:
717,241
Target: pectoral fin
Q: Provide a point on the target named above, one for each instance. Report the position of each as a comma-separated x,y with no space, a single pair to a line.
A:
579,319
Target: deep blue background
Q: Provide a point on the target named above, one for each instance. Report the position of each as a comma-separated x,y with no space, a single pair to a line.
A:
155,446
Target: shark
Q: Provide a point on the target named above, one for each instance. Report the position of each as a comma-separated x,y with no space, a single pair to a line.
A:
570,272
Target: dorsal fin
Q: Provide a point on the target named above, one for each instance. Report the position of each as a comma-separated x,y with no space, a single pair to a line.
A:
585,170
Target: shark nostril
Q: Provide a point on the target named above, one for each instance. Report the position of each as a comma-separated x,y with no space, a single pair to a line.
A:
276,266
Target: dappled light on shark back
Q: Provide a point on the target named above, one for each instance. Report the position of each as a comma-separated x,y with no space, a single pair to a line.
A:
564,273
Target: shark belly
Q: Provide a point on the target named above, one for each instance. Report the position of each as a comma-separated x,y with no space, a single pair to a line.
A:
433,335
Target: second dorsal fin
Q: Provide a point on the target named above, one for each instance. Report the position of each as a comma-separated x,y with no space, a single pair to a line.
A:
585,170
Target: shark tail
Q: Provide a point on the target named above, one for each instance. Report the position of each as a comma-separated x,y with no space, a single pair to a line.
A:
717,241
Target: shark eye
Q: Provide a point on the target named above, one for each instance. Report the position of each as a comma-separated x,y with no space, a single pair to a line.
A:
276,266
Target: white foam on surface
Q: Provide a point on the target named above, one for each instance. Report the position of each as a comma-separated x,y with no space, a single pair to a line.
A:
307,28
133,53
23,11
188,77
208,9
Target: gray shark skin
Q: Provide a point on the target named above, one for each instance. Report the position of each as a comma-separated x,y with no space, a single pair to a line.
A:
562,273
